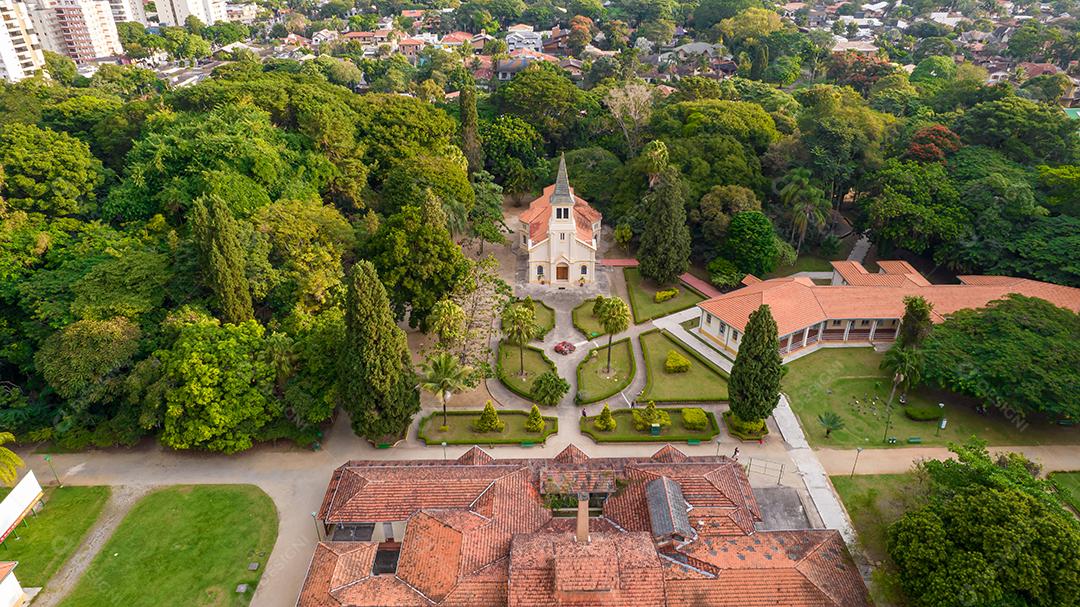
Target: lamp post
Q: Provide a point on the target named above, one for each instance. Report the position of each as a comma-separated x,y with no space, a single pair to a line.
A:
941,423
858,452
897,379
48,460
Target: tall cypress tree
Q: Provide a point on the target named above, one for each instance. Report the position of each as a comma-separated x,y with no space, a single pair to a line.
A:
470,131
665,243
216,236
916,324
755,378
377,385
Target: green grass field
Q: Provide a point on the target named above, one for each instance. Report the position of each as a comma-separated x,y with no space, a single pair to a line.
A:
807,262
460,429
874,502
625,432
184,545
1068,486
595,383
641,297
703,382
544,316
585,322
535,366
833,379
51,537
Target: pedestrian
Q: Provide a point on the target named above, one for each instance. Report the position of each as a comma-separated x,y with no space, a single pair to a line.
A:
736,454
583,413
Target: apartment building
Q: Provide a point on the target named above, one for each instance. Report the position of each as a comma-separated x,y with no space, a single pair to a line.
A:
81,29
128,11
175,12
20,49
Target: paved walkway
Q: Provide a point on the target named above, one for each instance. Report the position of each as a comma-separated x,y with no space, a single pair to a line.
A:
699,285
861,248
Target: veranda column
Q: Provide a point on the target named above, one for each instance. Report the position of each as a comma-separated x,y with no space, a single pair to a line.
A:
847,329
805,335
873,329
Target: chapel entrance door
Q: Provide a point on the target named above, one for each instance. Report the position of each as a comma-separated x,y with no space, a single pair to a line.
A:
562,273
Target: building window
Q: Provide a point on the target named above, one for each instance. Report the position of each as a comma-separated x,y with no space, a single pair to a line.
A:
562,236
584,270
540,271
524,239
708,318
562,213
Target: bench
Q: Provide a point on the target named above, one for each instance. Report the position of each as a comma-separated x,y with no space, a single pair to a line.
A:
914,440
527,443
693,441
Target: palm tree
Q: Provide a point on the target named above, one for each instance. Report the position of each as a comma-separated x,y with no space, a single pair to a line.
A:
443,376
519,323
906,365
614,315
9,462
830,421
806,204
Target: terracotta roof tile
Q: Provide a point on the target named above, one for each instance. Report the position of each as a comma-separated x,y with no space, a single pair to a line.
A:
476,456
571,455
538,217
669,454
430,556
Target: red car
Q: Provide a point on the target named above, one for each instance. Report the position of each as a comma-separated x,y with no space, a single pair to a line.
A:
565,347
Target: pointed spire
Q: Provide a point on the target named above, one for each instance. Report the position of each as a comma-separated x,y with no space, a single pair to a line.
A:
562,193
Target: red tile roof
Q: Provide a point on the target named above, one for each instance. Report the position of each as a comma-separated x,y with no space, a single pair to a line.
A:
467,545
538,215
796,302
6,568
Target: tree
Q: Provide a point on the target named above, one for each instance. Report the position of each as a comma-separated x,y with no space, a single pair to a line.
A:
376,384
216,236
831,422
126,81
519,323
9,462
605,422
614,316
489,420
664,252
411,180
858,71
536,422
713,214
1023,129
710,12
443,376
755,376
60,68
1015,352
623,235
915,325
905,365
548,389
486,217
447,323
933,143
417,261
81,355
805,203
47,172
510,145
751,243
986,532
912,206
645,418
548,100
470,130
631,106
214,384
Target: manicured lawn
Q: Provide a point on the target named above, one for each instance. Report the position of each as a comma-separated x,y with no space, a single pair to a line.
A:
833,379
460,428
510,362
625,432
545,318
703,382
641,297
594,382
184,545
585,322
807,262
874,502
51,537
1068,485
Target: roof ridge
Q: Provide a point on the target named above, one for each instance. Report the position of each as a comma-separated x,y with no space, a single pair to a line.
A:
817,548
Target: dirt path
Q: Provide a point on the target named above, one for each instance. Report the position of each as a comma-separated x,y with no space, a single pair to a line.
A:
120,502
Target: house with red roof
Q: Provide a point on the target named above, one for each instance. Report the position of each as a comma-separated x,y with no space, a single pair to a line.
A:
858,307
668,530
559,234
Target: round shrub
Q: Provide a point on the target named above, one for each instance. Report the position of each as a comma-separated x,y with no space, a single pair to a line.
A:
923,413
645,418
666,294
536,422
676,363
489,420
605,422
694,418
745,430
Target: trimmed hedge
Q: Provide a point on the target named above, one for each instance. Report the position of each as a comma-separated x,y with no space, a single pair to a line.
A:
694,418
638,319
676,363
587,428
501,373
741,432
435,418
619,387
664,295
585,307
693,354
923,413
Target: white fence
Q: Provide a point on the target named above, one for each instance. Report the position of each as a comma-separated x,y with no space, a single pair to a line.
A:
23,498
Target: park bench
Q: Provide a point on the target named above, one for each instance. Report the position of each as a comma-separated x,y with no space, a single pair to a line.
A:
914,440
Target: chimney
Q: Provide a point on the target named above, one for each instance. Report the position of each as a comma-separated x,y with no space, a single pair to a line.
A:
583,518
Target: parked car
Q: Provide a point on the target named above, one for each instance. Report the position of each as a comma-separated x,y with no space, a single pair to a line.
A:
565,347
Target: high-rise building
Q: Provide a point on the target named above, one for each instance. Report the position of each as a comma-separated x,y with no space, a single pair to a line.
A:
20,49
128,10
81,29
175,12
